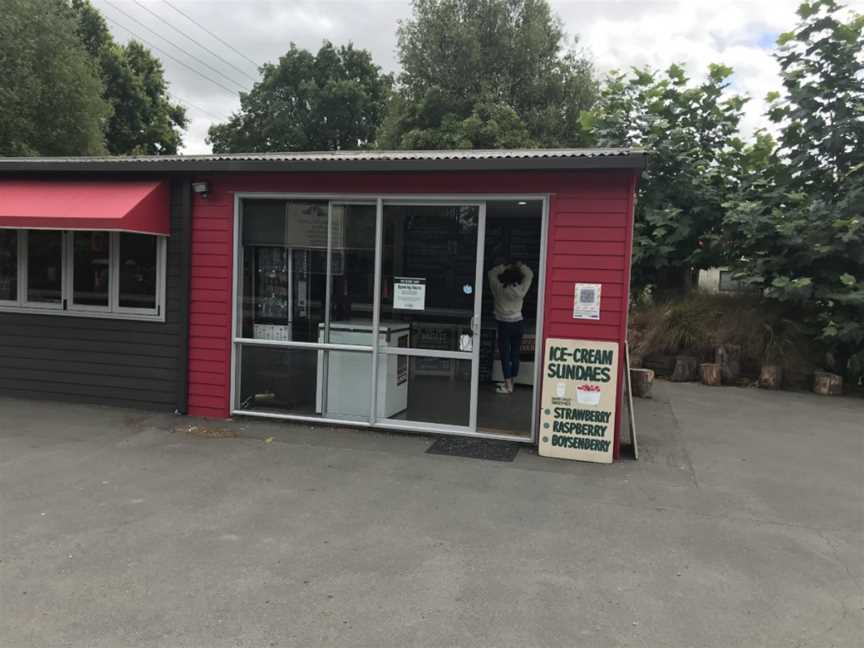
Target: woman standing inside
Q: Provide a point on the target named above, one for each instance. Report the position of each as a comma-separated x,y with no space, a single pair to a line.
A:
509,283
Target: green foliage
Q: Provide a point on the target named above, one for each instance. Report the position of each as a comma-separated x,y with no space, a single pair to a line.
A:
696,161
143,119
487,74
698,323
69,89
51,99
797,228
332,100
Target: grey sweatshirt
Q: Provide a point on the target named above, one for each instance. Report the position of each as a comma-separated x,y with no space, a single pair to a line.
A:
508,299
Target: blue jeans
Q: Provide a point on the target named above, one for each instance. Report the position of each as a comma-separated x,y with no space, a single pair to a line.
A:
509,344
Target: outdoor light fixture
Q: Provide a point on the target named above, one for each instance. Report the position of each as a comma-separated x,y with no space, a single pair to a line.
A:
522,203
202,188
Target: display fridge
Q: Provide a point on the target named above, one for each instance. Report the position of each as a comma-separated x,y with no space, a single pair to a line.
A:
287,292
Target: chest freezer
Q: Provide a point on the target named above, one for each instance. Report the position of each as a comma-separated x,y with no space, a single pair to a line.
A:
345,392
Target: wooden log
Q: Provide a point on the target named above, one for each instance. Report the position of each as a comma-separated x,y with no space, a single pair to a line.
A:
641,381
728,356
711,373
771,377
686,369
827,384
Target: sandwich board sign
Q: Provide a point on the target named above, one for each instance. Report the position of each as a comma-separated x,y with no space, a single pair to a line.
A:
577,407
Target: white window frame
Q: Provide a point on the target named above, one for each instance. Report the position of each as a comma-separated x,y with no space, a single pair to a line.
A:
161,263
67,305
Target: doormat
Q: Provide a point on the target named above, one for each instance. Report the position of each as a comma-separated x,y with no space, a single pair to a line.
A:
475,448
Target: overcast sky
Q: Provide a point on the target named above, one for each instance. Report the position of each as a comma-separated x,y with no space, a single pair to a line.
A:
616,34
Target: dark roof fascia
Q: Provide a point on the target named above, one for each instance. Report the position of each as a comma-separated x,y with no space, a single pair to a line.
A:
628,161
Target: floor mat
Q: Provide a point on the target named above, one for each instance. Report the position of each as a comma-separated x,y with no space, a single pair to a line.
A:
475,448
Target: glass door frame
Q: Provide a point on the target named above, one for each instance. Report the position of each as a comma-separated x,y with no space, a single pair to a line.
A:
473,356
380,200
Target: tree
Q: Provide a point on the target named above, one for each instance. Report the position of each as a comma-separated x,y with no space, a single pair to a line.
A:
798,227
143,119
487,74
696,161
332,100
51,99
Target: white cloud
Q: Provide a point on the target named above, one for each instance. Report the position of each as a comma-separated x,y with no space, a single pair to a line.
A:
618,34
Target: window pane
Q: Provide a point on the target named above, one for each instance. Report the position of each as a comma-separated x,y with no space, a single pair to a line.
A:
138,270
8,265
284,269
353,276
428,272
44,266
305,381
91,268
428,390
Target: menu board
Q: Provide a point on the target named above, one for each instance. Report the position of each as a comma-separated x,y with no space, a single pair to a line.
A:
580,389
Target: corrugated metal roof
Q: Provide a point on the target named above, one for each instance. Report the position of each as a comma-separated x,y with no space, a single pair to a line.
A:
349,160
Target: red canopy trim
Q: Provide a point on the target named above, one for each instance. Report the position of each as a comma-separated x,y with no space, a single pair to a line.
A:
141,207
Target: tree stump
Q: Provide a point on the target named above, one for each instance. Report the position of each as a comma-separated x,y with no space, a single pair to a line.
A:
641,381
728,356
711,373
827,384
771,377
686,369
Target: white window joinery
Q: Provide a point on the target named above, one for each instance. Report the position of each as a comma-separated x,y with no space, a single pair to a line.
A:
84,273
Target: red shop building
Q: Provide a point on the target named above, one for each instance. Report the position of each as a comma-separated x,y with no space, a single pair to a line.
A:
341,287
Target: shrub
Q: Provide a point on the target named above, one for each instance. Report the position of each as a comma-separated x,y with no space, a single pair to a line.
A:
700,322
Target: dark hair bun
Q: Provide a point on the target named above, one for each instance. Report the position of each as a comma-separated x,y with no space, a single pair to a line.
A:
511,276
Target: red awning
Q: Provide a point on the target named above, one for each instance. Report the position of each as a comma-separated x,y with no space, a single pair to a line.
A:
122,206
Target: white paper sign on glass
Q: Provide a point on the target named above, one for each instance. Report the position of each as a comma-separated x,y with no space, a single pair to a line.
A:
409,293
586,301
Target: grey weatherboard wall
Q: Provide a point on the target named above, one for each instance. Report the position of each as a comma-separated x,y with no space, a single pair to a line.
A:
107,361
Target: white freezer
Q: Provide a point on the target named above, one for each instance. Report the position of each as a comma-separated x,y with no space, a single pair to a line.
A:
349,373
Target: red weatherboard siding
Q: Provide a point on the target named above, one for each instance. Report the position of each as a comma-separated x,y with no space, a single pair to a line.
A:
590,238
590,235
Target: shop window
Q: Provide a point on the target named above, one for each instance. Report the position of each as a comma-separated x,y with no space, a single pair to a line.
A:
8,266
95,274
91,269
44,267
138,258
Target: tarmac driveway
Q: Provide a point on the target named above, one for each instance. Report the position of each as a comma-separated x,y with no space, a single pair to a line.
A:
741,525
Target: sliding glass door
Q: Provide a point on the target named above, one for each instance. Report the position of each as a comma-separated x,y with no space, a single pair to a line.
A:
429,307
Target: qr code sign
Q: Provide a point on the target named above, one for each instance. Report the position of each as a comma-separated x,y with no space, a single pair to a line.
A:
586,301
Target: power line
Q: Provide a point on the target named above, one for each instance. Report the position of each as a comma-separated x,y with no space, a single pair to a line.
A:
199,44
173,58
185,102
192,56
226,44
